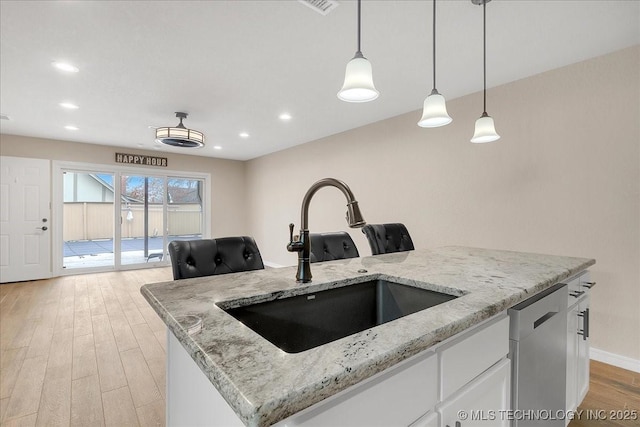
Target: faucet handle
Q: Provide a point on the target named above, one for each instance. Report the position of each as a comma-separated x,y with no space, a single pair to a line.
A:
295,245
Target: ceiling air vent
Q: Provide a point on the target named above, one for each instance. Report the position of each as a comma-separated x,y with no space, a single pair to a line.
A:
323,7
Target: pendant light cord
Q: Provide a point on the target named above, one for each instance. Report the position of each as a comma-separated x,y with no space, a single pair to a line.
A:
434,44
484,54
359,52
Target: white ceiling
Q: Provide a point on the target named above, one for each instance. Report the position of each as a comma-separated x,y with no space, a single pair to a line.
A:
236,65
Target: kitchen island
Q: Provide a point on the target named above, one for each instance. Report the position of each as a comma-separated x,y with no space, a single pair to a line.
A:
264,385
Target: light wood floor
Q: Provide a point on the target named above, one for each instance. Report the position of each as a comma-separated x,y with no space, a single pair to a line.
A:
88,350
613,392
84,350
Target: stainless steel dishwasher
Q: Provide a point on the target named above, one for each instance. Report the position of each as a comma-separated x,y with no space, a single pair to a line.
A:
538,353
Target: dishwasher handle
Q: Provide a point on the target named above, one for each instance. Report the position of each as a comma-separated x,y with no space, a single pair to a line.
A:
544,318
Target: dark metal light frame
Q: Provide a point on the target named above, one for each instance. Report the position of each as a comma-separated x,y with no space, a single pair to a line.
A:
180,136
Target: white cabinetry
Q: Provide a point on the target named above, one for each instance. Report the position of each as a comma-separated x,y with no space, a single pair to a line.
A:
578,340
468,371
430,419
464,359
583,349
572,357
191,398
396,397
471,368
483,402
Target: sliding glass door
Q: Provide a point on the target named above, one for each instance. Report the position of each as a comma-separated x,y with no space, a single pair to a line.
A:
124,219
142,219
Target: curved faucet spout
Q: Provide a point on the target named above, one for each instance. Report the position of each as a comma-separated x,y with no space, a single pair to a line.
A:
303,244
354,217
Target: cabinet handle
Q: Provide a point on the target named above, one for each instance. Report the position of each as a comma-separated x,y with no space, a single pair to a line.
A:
585,330
589,285
576,294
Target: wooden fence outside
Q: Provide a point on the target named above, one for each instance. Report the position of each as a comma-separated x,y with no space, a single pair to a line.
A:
94,220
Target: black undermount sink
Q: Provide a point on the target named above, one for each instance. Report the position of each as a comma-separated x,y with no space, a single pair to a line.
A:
299,323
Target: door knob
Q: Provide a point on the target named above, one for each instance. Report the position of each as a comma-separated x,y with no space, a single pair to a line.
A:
43,228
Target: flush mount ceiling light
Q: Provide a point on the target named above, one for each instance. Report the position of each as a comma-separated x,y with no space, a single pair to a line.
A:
180,136
434,113
485,130
358,78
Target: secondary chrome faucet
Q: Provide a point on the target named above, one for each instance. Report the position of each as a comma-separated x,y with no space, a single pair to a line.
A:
303,244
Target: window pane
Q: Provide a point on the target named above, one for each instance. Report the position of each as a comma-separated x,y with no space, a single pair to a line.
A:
87,230
185,215
142,219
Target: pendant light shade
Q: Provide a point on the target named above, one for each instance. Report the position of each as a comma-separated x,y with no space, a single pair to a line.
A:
485,130
434,112
358,81
358,77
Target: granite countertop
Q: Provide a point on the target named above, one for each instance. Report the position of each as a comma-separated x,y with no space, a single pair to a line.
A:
264,385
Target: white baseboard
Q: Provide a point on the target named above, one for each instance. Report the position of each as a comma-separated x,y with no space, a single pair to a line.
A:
623,362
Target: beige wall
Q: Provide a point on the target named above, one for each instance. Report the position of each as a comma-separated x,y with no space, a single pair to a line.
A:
564,179
227,195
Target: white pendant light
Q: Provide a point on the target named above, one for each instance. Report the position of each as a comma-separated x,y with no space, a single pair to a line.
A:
434,113
358,78
485,130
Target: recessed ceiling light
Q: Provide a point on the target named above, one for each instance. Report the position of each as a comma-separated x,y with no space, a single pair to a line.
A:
65,66
243,135
285,116
68,105
217,147
71,127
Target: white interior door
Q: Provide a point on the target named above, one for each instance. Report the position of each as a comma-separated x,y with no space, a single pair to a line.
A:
25,235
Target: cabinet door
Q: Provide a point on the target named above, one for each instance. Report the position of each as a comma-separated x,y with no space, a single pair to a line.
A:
483,402
572,358
396,397
428,420
583,350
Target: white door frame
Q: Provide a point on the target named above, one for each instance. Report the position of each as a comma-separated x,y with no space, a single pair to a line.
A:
58,202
